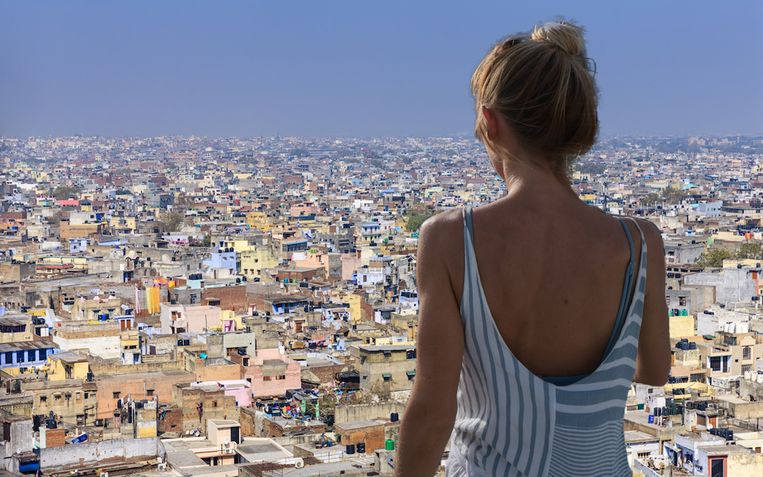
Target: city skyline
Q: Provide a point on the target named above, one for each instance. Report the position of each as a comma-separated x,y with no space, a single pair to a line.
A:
347,70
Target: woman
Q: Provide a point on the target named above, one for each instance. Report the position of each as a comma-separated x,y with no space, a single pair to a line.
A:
536,310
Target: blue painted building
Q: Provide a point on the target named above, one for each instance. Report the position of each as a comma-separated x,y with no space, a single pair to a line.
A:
25,354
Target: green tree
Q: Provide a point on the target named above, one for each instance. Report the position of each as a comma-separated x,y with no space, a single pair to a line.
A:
592,168
416,216
714,257
752,250
650,199
673,195
64,192
170,222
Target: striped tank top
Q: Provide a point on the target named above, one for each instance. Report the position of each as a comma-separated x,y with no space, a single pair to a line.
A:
515,423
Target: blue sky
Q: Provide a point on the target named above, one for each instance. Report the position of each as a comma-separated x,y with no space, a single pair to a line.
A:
358,68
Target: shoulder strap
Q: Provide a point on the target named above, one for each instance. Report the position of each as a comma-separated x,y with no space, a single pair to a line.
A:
467,213
625,295
641,233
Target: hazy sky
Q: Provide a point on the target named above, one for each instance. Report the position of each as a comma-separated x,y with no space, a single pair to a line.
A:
358,68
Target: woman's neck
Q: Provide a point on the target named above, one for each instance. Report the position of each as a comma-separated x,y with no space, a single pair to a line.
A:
531,182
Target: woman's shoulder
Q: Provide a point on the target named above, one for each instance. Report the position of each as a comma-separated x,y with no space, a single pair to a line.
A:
441,246
443,224
443,232
651,231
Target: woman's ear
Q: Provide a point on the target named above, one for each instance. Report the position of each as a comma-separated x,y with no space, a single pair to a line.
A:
491,123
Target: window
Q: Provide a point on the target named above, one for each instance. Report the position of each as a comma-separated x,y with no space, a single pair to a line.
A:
149,392
115,394
410,354
281,377
9,357
747,352
43,398
266,378
19,356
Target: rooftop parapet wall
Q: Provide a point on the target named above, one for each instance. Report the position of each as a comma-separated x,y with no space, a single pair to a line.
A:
81,456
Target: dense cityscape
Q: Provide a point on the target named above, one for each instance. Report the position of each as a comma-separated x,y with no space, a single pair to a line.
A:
247,307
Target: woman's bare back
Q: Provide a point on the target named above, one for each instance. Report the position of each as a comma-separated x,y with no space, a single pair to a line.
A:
553,278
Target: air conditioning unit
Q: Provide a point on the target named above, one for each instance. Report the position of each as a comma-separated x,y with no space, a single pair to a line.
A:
103,474
299,463
162,466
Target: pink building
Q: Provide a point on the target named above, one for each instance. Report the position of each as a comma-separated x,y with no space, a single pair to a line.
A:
238,388
177,318
271,373
350,265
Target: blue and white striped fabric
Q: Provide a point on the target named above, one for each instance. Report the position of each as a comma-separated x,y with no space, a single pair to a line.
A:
512,422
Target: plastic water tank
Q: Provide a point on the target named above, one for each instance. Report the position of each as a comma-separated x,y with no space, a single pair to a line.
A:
389,445
350,449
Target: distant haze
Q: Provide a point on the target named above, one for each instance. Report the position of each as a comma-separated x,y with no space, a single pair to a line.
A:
358,68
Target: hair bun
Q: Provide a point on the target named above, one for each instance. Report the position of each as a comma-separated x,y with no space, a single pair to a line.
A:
566,36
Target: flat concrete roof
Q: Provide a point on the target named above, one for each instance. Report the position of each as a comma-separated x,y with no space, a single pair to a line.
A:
382,348
638,436
347,426
223,423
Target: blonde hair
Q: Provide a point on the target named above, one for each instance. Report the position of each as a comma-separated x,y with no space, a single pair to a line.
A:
543,86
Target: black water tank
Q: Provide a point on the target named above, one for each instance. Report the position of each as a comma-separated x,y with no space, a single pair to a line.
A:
361,447
394,417
350,449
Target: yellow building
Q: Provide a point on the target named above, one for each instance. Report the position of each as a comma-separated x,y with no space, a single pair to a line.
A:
390,340
588,198
77,263
259,220
67,366
432,191
123,223
685,390
253,258
354,301
227,316
681,326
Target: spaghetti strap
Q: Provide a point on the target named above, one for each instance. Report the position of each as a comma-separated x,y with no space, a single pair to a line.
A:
625,295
